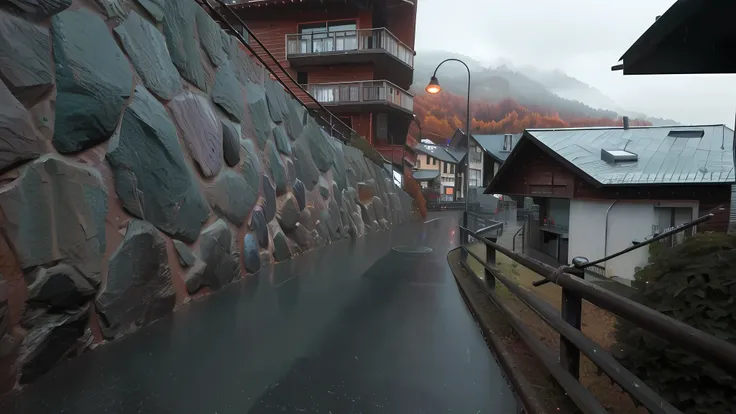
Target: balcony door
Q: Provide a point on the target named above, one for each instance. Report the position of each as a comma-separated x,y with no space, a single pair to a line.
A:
325,37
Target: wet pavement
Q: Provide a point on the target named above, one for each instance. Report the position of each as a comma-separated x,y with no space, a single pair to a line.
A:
354,327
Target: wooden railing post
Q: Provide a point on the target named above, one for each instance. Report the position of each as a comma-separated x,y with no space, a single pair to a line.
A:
572,308
491,261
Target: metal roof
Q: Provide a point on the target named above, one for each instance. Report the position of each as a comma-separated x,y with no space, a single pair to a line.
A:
424,175
662,159
437,151
493,144
456,153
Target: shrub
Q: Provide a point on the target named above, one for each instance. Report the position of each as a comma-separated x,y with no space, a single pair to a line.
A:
694,282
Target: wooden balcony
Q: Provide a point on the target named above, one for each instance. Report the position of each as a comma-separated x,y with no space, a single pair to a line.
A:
364,96
391,58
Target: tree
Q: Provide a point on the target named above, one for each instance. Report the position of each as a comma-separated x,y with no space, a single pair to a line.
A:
694,283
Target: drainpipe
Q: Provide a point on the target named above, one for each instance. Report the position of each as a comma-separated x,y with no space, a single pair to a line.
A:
605,241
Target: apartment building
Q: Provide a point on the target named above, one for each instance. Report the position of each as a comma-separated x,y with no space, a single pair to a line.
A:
355,57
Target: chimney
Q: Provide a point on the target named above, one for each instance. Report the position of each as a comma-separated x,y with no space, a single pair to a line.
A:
507,141
626,122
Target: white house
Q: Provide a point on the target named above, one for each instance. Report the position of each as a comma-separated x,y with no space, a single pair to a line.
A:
599,190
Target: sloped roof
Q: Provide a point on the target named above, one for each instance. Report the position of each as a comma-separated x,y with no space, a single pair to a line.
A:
437,151
665,156
456,153
493,145
424,175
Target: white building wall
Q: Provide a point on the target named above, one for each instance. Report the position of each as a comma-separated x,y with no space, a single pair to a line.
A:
628,221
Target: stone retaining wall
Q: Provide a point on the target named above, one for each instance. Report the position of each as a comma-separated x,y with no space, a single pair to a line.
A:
146,159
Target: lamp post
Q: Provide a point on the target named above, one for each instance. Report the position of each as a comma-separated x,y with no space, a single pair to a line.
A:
434,88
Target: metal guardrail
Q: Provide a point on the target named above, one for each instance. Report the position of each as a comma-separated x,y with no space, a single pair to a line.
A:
315,44
361,92
234,25
567,323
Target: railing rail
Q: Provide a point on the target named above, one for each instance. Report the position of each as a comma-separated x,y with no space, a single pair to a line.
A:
229,20
567,323
299,44
361,92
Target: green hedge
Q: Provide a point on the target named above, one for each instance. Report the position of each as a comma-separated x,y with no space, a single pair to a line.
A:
694,282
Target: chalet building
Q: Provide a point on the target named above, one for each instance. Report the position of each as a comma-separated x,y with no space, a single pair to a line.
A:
355,57
692,37
601,189
441,160
487,154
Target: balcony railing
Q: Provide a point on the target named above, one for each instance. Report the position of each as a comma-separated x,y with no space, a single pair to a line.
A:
362,92
349,41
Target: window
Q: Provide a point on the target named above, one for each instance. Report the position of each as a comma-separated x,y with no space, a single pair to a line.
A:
475,179
434,161
328,36
382,126
302,78
444,167
507,142
427,159
452,168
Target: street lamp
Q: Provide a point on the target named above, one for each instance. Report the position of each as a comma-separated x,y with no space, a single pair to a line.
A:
433,87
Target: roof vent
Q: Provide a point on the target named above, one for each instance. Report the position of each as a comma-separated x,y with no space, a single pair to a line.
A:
687,133
614,156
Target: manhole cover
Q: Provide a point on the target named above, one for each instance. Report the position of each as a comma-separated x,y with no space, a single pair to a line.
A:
412,249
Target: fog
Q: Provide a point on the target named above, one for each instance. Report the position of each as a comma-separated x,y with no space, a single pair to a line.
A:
583,38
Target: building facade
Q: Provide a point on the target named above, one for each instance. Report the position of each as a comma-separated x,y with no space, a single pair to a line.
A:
355,57
601,190
441,159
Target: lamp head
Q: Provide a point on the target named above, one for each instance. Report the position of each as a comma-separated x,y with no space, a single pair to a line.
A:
434,86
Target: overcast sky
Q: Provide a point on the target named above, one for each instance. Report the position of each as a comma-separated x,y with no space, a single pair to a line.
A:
584,38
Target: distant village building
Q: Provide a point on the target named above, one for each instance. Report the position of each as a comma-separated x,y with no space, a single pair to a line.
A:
601,189
435,168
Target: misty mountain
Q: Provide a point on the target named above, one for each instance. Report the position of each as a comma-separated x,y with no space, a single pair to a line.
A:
537,89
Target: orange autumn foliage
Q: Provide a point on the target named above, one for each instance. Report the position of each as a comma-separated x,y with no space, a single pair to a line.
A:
440,115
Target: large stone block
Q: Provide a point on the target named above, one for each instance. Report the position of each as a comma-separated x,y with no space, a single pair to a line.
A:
51,337
259,224
288,212
232,197
154,7
180,29
185,254
93,80
258,110
320,146
25,58
228,92
215,248
300,193
251,255
282,142
245,68
339,166
294,121
211,36
278,103
278,171
251,168
139,288
19,142
59,288
55,212
269,199
146,47
113,9
41,8
230,143
201,130
151,175
306,170
281,249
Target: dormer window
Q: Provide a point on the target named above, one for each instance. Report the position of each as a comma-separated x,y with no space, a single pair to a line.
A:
614,156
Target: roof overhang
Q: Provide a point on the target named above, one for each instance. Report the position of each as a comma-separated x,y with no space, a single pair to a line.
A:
693,36
528,139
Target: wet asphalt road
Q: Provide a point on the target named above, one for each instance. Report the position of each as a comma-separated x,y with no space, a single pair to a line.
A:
354,327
